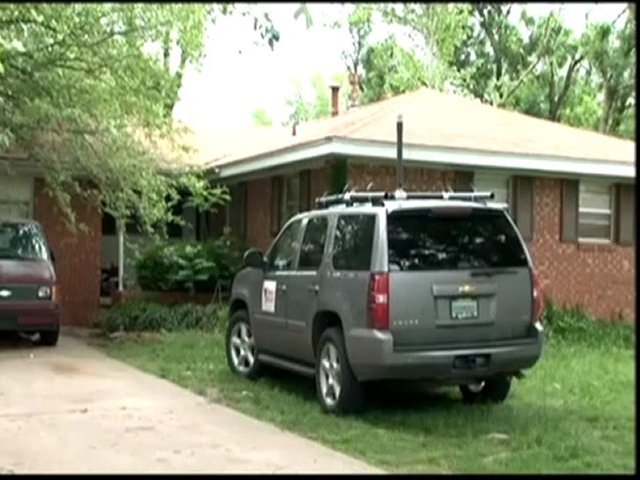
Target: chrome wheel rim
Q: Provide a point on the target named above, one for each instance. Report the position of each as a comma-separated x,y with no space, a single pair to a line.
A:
330,375
476,387
242,347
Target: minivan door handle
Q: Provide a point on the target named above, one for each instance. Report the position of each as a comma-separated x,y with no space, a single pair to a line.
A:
313,288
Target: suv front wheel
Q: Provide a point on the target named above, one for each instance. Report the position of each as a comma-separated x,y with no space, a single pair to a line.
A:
337,388
242,355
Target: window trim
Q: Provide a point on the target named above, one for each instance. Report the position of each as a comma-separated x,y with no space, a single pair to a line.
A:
601,211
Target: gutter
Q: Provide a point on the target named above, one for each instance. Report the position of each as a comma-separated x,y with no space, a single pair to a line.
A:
424,156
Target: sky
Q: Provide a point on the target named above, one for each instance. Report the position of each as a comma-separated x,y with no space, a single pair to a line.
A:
240,73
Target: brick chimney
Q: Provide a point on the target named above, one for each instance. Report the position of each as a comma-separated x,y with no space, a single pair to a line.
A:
335,100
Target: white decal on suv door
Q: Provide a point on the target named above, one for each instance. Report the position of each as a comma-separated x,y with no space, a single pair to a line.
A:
269,296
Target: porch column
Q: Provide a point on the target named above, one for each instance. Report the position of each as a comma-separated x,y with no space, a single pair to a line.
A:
120,228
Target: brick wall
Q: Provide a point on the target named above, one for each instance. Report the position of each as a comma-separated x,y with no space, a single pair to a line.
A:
259,213
259,203
384,177
77,257
601,278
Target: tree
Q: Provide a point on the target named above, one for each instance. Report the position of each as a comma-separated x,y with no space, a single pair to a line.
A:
87,91
390,70
611,54
359,24
304,108
261,118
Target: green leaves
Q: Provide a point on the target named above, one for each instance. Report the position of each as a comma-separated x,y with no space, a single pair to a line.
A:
87,89
390,69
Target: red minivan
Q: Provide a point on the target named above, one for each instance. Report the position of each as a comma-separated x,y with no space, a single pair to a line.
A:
28,290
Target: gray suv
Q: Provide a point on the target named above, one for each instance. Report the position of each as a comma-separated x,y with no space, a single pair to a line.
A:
422,286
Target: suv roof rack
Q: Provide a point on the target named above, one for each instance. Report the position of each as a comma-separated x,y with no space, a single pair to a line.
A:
378,198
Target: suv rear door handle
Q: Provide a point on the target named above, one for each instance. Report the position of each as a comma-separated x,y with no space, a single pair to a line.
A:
282,287
313,288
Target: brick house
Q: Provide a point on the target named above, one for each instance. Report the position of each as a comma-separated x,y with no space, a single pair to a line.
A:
571,191
80,256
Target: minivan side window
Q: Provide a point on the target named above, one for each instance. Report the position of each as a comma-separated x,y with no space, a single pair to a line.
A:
283,254
312,248
353,242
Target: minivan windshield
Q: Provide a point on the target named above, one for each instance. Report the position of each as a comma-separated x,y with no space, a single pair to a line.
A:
449,239
22,241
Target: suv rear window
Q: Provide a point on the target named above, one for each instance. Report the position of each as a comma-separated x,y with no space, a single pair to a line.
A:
457,240
353,242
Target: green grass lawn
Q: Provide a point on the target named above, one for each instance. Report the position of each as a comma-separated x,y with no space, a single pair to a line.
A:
575,411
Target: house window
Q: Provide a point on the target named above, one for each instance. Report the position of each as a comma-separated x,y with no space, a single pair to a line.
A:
290,197
497,183
594,211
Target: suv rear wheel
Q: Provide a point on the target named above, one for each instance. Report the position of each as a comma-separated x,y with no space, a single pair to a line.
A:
493,390
337,388
242,356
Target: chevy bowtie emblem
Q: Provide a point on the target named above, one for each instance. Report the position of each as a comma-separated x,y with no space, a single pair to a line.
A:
5,293
466,289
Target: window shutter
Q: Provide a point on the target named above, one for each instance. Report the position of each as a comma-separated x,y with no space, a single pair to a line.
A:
569,211
305,190
625,214
238,213
276,209
523,205
463,181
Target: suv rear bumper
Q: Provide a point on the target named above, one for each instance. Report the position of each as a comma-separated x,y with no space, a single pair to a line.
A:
372,357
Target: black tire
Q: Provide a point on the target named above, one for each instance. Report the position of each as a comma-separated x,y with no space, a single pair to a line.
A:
351,396
49,338
239,318
494,390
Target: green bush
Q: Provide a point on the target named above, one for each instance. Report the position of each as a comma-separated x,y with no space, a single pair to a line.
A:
188,266
145,316
573,325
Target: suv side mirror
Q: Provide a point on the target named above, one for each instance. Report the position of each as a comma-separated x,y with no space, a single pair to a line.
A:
253,258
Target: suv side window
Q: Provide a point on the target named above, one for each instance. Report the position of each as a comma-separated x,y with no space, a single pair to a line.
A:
283,254
312,248
353,242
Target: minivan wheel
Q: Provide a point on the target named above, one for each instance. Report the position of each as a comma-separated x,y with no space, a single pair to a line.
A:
493,390
337,388
49,338
242,355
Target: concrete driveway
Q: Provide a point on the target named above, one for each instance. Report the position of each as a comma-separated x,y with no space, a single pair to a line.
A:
72,409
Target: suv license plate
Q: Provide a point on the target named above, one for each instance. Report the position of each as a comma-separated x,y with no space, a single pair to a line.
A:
464,308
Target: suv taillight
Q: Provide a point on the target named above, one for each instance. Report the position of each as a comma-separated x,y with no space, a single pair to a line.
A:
537,299
379,301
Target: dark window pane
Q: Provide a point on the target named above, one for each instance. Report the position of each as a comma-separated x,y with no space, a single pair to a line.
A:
108,224
353,242
429,240
20,240
313,242
283,253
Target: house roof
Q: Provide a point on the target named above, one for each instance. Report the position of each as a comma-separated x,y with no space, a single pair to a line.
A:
431,119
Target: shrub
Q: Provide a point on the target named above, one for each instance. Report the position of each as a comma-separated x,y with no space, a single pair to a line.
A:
144,316
188,266
573,325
